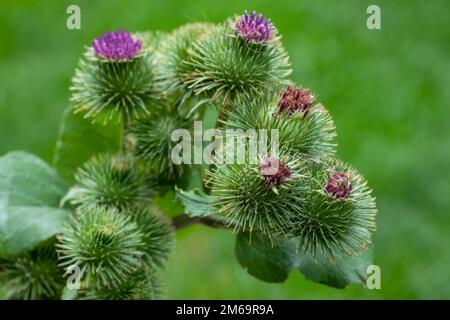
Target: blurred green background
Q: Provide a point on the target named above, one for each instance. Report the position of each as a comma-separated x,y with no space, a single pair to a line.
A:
387,89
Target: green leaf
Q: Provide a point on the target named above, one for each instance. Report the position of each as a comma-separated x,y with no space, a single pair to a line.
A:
273,261
30,192
345,270
196,202
255,252
80,139
22,228
26,180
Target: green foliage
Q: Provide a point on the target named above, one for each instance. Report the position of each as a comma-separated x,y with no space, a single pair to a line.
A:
196,203
338,273
109,89
30,192
32,275
104,244
22,227
273,260
28,181
221,65
79,139
110,180
263,258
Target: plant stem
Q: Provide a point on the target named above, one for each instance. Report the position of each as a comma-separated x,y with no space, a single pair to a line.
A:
126,129
183,221
219,122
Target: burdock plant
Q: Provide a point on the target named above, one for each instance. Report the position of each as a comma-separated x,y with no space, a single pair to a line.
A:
106,230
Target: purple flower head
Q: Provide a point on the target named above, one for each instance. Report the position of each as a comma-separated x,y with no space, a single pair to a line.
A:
254,28
274,171
295,100
117,45
338,185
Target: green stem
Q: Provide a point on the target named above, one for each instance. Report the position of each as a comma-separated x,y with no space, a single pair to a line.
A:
183,221
221,117
126,130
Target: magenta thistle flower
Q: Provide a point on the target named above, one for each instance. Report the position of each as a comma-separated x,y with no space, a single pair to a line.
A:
274,171
254,28
117,45
295,100
338,185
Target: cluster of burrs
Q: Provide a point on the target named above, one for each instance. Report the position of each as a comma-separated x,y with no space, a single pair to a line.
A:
153,83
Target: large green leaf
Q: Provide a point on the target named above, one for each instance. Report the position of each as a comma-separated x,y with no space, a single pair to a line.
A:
255,252
273,261
344,270
79,139
21,228
30,192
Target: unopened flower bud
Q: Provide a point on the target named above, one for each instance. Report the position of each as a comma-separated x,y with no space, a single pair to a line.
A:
339,186
275,171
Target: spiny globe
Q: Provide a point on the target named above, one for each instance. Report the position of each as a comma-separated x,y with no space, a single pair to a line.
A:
302,126
338,213
222,64
153,141
105,244
174,51
157,236
110,180
33,275
259,196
